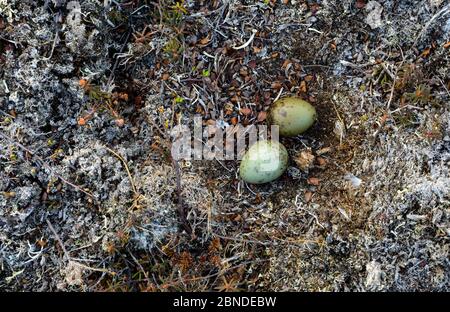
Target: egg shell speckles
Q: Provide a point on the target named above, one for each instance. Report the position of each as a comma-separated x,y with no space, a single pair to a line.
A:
264,162
293,115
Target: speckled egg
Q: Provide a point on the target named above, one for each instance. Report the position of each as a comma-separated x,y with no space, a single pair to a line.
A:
264,162
293,115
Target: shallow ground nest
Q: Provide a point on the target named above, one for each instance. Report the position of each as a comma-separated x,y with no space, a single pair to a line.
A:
90,198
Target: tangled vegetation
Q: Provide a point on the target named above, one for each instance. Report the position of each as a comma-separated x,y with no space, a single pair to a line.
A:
91,200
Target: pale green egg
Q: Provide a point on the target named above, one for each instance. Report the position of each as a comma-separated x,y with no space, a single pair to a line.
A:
293,115
264,162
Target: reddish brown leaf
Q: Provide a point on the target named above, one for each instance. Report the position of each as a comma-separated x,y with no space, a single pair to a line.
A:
120,122
258,198
243,72
321,161
138,100
303,86
256,49
314,8
313,181
426,52
276,85
199,110
308,196
84,84
286,63
262,116
360,4
245,111
123,96
204,41
81,121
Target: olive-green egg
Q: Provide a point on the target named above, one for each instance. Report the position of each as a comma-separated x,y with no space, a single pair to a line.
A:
293,115
264,162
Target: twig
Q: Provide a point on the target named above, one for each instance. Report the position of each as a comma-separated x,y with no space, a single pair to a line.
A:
181,206
254,31
391,95
53,46
395,80
136,193
140,266
350,64
116,63
406,106
91,268
299,206
32,153
446,89
315,30
243,240
194,279
10,41
163,134
443,11
388,71
66,254
176,166
278,95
